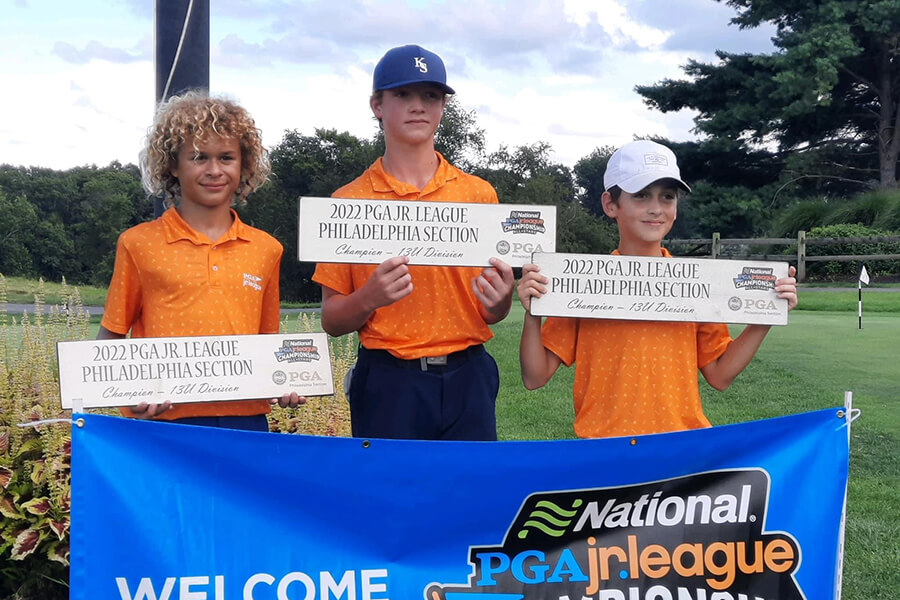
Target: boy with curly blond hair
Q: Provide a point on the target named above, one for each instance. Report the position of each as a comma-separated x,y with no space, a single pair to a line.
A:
198,269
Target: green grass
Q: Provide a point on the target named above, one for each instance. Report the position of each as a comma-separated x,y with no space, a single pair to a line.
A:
544,414
20,290
813,300
848,284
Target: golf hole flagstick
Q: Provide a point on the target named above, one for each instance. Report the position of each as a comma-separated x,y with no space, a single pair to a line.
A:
345,230
660,289
108,373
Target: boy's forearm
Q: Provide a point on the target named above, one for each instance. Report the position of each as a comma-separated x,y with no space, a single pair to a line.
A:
721,372
532,354
344,314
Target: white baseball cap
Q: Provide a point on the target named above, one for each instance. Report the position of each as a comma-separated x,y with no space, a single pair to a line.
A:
638,164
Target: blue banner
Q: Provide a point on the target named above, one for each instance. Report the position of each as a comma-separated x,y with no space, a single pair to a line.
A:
739,512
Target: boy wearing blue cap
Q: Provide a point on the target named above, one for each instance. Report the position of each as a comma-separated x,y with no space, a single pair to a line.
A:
637,377
422,370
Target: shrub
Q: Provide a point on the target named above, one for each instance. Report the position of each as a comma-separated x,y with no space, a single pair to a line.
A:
878,209
888,217
832,270
805,216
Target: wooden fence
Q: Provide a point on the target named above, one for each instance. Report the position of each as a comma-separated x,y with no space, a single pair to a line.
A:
716,245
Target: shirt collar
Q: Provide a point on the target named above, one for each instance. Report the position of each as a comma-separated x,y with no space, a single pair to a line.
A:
382,181
665,253
178,229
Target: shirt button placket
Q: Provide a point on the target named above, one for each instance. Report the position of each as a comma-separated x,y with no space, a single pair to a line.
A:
214,268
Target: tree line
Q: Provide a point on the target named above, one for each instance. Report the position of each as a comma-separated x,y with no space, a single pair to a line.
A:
799,138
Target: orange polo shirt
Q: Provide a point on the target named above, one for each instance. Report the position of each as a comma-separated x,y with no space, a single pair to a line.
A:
441,314
635,377
170,280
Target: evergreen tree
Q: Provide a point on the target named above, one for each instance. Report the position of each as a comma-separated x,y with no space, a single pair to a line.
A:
830,92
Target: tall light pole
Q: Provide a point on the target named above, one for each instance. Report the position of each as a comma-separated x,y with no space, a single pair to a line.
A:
182,51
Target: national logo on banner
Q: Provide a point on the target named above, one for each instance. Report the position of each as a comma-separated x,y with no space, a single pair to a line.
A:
688,537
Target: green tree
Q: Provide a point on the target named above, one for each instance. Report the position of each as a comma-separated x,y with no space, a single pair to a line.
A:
105,210
458,137
79,214
317,165
589,178
18,220
51,192
831,89
53,252
527,175
32,246
735,212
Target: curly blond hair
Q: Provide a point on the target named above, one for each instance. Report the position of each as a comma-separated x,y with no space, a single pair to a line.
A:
197,115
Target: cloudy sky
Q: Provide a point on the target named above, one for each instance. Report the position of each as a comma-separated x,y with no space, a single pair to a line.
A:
78,79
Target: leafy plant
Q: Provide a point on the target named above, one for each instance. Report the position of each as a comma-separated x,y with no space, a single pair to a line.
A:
34,460
804,215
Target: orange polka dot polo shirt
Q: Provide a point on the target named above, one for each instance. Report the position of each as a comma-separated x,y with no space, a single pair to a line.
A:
170,280
441,314
635,377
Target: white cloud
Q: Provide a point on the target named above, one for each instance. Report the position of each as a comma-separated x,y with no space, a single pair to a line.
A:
94,50
700,26
76,117
301,101
559,71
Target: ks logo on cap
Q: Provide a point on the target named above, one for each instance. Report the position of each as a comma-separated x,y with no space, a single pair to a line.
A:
408,65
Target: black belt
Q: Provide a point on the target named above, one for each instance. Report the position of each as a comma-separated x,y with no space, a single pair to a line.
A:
425,363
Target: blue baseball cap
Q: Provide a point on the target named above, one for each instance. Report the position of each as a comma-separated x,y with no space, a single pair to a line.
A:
406,65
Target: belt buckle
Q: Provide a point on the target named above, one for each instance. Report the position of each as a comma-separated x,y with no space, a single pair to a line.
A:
434,361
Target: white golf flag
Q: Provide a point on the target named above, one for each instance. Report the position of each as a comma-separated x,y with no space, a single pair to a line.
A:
864,275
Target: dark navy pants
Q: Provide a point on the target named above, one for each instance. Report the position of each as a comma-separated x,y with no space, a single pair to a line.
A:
397,399
254,423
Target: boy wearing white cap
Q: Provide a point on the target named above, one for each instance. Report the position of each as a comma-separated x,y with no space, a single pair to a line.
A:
637,377
422,371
